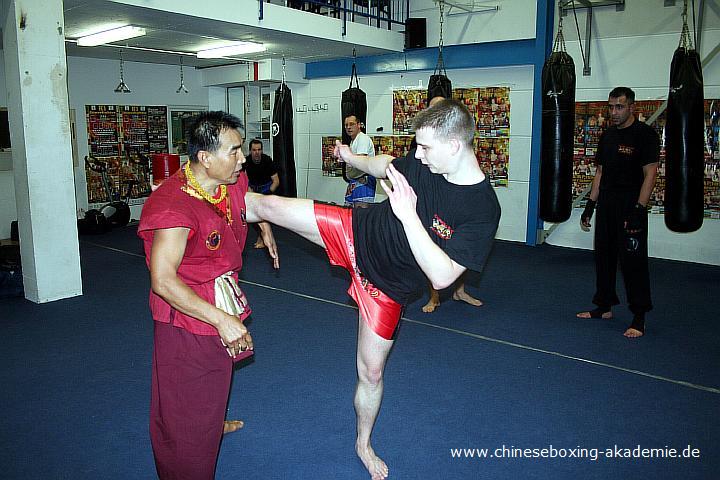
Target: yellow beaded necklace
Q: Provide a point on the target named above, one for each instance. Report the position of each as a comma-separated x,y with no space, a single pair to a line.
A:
192,181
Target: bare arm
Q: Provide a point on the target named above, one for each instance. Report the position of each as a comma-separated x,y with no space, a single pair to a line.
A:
375,166
167,253
269,241
275,182
251,216
650,174
439,268
594,193
595,187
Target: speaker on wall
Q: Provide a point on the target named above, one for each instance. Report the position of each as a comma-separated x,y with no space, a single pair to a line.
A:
415,33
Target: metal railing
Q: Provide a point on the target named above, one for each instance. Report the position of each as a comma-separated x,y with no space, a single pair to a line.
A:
380,13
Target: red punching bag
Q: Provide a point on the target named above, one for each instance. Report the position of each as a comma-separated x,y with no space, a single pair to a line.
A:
558,127
685,140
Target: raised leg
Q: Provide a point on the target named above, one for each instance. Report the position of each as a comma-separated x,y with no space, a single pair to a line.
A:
295,214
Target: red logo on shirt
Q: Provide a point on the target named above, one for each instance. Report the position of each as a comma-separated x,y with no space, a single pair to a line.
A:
441,229
212,242
626,149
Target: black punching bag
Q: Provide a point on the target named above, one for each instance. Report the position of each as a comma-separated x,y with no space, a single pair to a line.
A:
558,124
282,133
685,143
353,102
439,85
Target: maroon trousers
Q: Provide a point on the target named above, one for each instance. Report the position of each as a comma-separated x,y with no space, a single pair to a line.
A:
191,377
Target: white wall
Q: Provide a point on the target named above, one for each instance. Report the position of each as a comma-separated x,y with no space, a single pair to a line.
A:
513,20
92,81
634,48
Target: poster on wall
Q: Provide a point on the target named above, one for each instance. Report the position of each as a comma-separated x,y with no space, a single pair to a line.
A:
591,119
492,155
179,122
490,107
331,167
121,139
393,145
157,129
406,104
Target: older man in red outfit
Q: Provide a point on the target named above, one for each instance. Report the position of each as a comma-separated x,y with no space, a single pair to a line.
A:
194,228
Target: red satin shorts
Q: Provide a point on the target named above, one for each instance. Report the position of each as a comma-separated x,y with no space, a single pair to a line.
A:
380,312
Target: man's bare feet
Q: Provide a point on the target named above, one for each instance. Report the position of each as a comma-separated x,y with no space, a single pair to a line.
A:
375,466
595,314
259,244
633,333
431,305
230,426
461,295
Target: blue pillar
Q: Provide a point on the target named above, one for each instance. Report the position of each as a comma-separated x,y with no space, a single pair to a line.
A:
544,26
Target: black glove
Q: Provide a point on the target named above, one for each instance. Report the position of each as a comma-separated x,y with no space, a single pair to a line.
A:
637,219
588,212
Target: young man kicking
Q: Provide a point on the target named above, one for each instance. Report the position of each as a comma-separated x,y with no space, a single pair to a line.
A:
440,219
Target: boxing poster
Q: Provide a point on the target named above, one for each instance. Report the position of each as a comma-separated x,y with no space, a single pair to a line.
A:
331,167
490,107
121,139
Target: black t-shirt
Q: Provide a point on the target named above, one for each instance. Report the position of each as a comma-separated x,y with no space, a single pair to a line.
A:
622,153
259,173
460,219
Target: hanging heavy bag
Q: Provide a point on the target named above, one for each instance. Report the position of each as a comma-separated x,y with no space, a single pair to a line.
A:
282,137
439,85
685,141
558,123
353,102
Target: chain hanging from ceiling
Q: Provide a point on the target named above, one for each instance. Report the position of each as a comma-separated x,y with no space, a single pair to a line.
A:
122,86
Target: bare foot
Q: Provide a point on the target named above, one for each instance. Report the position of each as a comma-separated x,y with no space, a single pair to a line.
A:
463,296
607,315
230,426
259,244
633,333
431,305
375,466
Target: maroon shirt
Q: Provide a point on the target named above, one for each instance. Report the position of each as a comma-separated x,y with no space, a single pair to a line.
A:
214,247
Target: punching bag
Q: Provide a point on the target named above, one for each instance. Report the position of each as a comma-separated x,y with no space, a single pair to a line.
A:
282,133
353,102
558,126
439,85
685,143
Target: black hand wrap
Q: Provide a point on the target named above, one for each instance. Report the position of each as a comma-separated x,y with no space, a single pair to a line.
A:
588,212
637,219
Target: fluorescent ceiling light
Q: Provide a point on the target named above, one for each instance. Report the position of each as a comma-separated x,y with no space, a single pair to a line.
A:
238,48
108,36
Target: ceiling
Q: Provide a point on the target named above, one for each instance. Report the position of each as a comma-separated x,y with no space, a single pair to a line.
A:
178,33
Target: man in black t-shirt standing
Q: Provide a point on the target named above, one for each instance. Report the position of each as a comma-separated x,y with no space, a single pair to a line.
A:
262,175
627,162
439,220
